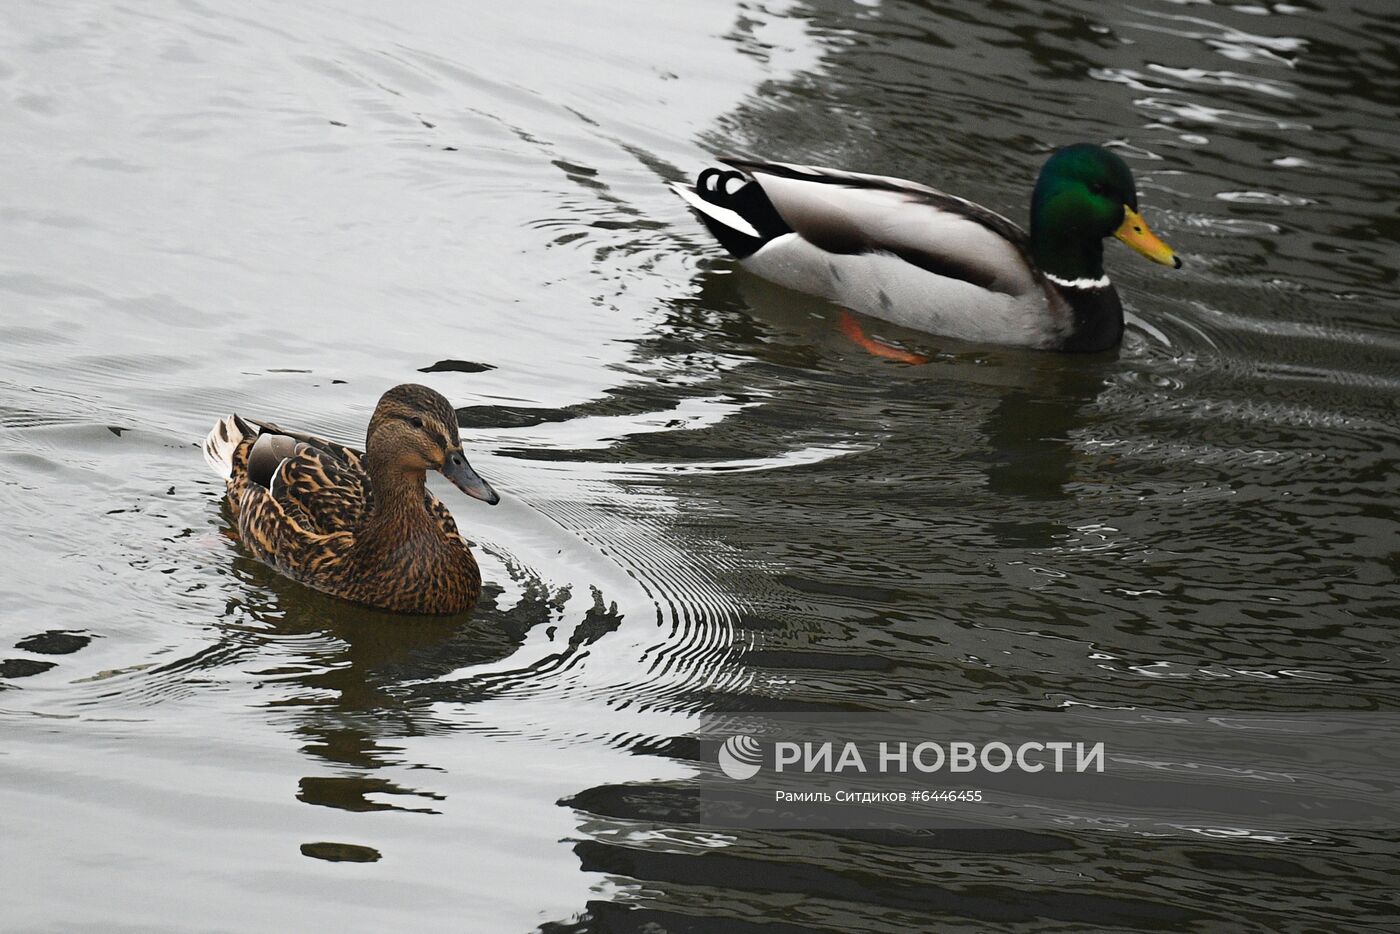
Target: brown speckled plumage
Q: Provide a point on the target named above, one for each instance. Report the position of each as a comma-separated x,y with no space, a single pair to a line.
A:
361,526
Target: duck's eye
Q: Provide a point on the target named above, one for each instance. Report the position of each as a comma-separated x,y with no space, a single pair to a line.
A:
416,422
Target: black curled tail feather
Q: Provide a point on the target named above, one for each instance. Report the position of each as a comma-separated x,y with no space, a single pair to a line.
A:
744,196
736,194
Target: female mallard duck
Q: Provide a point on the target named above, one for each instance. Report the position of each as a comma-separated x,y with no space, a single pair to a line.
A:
915,256
360,526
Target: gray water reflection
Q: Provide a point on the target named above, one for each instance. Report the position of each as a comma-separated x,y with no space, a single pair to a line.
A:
1203,520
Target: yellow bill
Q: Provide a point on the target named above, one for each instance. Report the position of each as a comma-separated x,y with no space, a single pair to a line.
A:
1134,233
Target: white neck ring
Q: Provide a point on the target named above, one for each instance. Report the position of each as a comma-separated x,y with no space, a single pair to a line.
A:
1100,283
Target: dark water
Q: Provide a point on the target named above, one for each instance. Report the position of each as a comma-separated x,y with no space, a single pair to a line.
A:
714,500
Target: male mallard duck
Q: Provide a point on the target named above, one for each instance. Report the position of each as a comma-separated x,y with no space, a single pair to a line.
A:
360,526
915,256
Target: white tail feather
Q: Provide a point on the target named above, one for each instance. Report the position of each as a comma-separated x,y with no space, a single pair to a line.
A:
223,440
725,216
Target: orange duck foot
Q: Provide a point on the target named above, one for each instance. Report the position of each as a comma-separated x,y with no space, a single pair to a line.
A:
852,329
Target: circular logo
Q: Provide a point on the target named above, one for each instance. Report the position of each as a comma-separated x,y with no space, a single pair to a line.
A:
741,757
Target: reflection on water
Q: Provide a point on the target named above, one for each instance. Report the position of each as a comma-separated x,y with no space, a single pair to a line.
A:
346,671
713,499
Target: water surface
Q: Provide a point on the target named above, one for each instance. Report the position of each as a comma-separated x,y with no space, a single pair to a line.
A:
713,499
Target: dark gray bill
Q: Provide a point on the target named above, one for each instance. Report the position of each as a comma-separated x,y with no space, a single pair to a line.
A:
467,480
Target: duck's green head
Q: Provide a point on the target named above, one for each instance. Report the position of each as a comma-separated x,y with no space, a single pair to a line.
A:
1085,193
